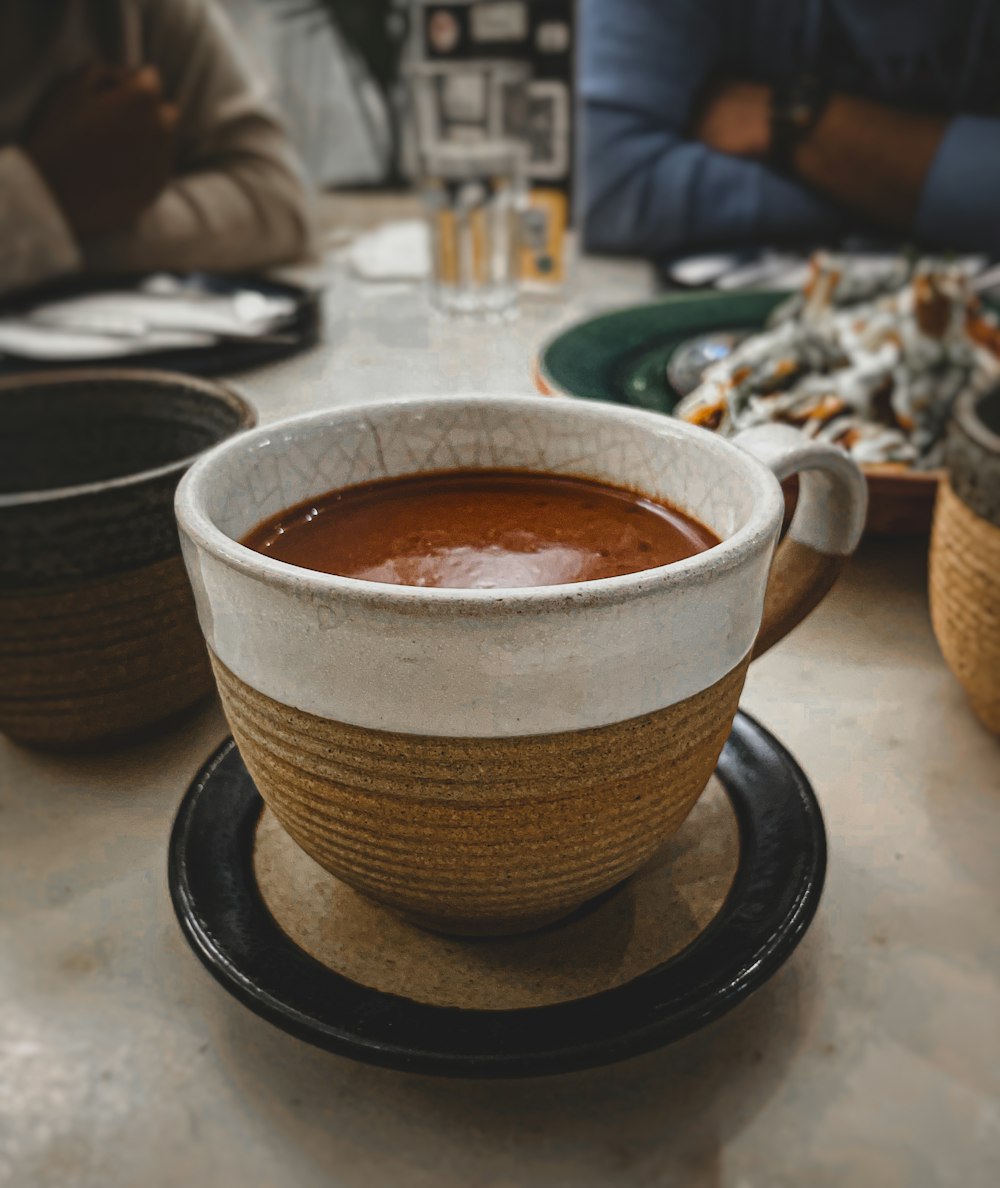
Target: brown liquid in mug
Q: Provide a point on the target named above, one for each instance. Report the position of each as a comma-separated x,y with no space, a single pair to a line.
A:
480,529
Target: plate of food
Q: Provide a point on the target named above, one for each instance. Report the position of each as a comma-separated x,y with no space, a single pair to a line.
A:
869,361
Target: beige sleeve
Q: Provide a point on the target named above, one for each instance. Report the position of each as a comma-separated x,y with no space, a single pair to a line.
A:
238,200
36,243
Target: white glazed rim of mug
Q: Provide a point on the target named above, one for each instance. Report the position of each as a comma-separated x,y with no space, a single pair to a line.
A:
758,532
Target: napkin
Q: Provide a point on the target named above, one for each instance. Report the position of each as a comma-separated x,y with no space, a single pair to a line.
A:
162,313
393,252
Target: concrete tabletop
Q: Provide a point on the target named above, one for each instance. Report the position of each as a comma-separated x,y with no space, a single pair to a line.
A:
872,1060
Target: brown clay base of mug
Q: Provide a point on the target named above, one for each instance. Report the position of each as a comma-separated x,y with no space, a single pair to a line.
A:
643,923
481,836
91,663
131,736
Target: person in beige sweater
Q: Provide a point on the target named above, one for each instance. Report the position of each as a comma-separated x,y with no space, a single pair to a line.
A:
133,137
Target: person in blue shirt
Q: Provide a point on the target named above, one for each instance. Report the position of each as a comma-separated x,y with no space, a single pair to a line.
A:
712,123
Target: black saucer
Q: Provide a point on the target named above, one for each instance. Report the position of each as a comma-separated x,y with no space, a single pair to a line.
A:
771,904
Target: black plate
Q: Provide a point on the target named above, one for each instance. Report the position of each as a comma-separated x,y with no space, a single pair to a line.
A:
771,903
299,332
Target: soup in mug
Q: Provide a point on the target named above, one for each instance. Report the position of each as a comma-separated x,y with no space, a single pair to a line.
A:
481,529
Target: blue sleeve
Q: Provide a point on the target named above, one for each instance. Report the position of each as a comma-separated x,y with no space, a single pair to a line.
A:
960,204
647,189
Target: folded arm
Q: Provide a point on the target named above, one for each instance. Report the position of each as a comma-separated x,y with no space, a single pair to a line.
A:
236,200
180,165
650,191
671,163
960,201
920,174
37,243
647,187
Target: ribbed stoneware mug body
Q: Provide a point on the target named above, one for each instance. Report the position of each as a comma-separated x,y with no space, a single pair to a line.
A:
98,633
965,554
484,761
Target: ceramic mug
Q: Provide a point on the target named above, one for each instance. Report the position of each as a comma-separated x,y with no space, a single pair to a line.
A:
965,554
98,635
485,761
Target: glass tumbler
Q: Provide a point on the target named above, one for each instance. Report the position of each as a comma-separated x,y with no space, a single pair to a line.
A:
470,120
473,198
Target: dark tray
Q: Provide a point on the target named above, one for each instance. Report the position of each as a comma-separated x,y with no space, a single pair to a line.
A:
298,333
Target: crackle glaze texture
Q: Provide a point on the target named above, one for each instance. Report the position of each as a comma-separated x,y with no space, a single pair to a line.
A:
479,663
500,663
303,458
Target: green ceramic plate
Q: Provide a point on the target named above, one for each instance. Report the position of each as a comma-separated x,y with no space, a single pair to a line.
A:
622,356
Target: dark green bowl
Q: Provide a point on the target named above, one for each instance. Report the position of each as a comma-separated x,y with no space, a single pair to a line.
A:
622,356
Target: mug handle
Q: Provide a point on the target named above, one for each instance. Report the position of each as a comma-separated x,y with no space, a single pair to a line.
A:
825,529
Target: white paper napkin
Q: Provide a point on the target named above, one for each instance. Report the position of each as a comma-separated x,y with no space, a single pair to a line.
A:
162,313
393,252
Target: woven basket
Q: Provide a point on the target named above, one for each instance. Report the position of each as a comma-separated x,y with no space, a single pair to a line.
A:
965,600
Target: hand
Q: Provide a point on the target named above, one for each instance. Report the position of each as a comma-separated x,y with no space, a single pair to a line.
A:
104,143
736,119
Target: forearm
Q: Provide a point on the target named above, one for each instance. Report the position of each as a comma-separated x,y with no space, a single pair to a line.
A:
244,216
37,243
961,196
237,200
650,191
872,158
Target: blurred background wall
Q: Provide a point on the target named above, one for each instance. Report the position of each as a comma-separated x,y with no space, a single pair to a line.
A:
334,68
326,91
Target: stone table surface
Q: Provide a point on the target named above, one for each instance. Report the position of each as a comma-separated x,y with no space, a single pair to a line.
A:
872,1060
